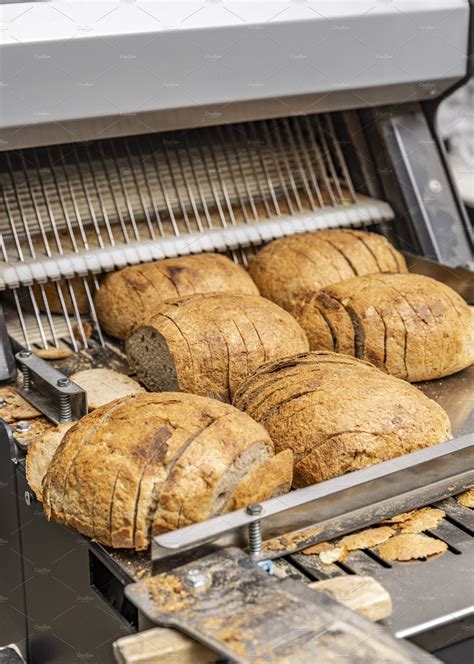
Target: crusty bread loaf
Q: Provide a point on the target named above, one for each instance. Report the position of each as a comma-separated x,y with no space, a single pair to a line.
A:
40,453
104,385
207,344
149,463
55,304
128,296
409,325
339,414
291,265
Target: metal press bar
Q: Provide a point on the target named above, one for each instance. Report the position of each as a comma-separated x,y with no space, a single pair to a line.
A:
332,508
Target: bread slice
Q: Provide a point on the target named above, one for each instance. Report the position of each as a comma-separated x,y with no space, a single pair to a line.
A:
287,268
128,296
105,385
207,344
270,480
40,453
151,462
409,325
342,415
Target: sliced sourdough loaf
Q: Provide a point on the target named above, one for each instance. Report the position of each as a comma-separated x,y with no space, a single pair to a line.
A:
290,266
339,414
40,453
148,463
128,296
409,325
207,344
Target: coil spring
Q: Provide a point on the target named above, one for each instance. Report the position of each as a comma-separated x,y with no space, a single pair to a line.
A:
255,538
26,378
65,409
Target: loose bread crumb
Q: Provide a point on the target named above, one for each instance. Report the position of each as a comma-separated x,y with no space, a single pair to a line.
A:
411,546
467,498
423,519
365,539
15,407
53,353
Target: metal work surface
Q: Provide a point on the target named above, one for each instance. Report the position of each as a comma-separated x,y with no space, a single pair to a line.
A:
433,602
230,604
328,509
456,395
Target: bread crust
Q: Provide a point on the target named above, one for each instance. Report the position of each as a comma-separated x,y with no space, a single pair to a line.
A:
408,325
343,414
128,296
287,268
151,462
225,338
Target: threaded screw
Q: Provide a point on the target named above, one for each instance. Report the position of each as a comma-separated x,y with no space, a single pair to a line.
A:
65,407
255,531
25,355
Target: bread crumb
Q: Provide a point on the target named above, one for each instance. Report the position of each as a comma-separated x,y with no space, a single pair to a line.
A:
317,548
423,519
365,539
53,353
86,328
39,426
332,555
399,517
466,498
411,546
14,407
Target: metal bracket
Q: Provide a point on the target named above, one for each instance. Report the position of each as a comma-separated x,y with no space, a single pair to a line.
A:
49,390
329,509
231,605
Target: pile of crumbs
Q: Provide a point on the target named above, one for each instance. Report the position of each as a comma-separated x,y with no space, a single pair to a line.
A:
397,538
466,499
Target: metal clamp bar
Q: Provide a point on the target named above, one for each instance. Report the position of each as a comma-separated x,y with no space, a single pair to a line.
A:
329,509
49,390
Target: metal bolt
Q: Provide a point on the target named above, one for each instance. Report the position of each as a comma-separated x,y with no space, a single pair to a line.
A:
26,378
65,408
255,531
24,354
22,426
195,579
435,186
28,497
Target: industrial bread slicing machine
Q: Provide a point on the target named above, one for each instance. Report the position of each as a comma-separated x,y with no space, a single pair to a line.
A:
149,130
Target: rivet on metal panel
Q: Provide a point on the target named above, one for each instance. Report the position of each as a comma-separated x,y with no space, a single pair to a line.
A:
22,426
195,579
29,497
435,186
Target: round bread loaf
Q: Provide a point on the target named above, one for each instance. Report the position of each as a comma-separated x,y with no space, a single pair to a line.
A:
80,300
339,414
128,296
207,344
149,463
409,325
291,265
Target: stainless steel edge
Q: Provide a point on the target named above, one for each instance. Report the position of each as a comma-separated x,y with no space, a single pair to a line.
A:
332,508
64,64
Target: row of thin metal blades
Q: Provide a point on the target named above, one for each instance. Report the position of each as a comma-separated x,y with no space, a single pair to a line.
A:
74,198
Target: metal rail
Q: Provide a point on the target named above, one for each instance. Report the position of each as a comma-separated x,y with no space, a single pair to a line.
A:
330,509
